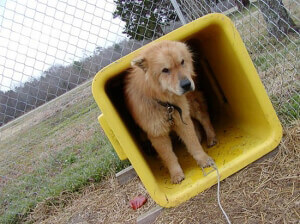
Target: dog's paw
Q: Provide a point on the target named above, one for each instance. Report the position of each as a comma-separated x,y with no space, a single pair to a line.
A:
212,141
177,178
206,161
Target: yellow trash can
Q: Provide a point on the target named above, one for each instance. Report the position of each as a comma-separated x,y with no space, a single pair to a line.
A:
246,124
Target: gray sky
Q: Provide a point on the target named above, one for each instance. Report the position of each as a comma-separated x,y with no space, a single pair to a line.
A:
34,35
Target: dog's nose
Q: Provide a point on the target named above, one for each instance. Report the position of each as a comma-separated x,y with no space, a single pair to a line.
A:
185,84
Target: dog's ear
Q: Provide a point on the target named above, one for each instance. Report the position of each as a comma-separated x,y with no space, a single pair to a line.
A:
140,62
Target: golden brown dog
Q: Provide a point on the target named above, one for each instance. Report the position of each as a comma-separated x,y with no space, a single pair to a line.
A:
160,96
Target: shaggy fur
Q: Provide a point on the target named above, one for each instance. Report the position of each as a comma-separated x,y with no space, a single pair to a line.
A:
164,72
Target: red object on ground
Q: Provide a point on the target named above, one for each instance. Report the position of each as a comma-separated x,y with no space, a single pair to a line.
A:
137,202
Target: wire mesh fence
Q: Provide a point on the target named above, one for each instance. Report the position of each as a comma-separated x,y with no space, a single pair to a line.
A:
48,48
270,31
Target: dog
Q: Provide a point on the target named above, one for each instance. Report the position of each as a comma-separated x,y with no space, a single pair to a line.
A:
161,97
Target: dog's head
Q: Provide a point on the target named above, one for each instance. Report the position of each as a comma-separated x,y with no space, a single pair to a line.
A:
168,65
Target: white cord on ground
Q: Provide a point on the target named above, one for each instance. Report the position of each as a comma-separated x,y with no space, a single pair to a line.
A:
218,194
218,190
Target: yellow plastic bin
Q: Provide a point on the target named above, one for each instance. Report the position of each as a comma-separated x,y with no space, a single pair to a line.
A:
246,124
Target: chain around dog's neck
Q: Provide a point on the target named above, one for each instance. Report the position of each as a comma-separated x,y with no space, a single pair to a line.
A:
170,110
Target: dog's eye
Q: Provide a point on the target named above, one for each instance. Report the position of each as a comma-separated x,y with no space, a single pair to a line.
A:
165,70
182,62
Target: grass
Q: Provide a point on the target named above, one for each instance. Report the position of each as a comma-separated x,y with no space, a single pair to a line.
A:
277,64
266,191
268,52
291,109
69,116
237,15
35,140
48,159
68,170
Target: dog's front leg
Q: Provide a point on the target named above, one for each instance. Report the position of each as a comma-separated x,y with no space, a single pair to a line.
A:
203,118
188,135
198,109
163,146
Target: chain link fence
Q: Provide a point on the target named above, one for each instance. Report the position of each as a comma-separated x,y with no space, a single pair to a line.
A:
48,48
270,31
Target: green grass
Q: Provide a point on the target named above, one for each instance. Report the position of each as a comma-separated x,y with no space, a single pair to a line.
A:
68,170
30,143
63,119
263,62
48,159
291,109
69,116
268,52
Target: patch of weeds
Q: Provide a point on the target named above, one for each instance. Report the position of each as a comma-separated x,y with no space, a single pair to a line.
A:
291,109
36,141
269,57
263,44
68,117
73,112
262,63
66,171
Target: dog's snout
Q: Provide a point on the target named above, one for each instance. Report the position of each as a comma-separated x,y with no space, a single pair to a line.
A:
185,84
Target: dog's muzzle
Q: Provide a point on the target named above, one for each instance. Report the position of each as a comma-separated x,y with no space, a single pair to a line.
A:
186,85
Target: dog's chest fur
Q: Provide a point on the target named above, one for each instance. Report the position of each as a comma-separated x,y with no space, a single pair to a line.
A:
147,112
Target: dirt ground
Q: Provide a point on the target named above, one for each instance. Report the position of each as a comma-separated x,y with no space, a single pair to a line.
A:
266,191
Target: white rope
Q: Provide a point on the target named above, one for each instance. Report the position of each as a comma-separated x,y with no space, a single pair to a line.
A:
218,194
218,190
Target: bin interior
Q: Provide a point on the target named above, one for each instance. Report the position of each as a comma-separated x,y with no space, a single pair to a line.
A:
236,113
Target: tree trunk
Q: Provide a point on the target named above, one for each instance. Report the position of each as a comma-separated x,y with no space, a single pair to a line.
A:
279,23
242,3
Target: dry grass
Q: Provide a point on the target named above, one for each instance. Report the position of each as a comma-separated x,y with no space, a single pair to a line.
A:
46,111
105,202
266,191
32,135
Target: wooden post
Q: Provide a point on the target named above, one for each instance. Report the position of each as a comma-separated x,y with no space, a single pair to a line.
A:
150,216
125,175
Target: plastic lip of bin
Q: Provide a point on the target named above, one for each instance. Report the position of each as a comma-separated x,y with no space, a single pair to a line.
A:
246,124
